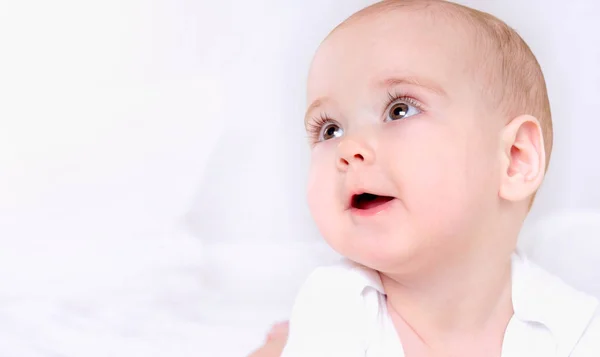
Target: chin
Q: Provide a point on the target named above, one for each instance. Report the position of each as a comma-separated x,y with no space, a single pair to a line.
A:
381,254
386,262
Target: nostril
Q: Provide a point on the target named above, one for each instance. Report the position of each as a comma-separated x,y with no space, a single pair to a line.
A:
359,157
344,162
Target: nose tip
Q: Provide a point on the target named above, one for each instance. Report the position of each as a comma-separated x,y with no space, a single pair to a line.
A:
351,152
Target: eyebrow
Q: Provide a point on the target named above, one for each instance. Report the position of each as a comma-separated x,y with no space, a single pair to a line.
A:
388,82
424,83
314,105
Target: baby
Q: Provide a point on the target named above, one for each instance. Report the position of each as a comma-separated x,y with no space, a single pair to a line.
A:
431,133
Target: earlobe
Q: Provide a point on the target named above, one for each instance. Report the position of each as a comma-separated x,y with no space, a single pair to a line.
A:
523,158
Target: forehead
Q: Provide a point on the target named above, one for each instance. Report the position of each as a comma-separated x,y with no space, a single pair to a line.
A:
398,43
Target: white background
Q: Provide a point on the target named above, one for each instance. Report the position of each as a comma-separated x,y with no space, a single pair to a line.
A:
147,147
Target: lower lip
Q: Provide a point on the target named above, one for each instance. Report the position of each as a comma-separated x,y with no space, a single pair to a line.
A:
373,211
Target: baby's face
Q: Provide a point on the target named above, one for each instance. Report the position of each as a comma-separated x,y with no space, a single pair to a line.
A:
394,112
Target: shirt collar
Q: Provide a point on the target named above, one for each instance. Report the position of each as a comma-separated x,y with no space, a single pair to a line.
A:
538,297
364,278
541,298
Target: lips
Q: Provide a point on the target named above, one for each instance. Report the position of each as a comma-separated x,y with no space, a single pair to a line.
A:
368,201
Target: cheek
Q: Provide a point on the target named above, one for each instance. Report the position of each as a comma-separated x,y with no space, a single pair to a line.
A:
433,177
423,157
321,183
442,175
324,200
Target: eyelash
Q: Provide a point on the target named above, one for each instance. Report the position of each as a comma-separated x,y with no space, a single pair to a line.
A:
316,124
396,96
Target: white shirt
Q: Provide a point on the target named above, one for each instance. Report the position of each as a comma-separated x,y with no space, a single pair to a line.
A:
341,311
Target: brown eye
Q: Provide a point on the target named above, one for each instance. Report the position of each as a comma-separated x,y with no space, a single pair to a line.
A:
398,111
331,131
401,109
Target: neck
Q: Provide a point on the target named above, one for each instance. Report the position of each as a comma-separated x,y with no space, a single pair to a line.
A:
471,299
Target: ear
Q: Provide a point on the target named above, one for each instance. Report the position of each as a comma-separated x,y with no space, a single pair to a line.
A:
523,158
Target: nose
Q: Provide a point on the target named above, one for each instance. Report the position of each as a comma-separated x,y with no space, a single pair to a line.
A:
353,152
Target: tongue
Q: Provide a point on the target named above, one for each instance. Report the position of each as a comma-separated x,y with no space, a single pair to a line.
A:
373,202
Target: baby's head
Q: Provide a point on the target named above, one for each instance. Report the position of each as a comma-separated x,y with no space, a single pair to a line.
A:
431,132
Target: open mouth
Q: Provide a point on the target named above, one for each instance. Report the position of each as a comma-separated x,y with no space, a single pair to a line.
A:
365,201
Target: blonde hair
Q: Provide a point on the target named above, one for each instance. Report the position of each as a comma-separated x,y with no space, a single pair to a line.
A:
512,77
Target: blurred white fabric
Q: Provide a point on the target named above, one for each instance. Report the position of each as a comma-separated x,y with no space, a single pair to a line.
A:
152,167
